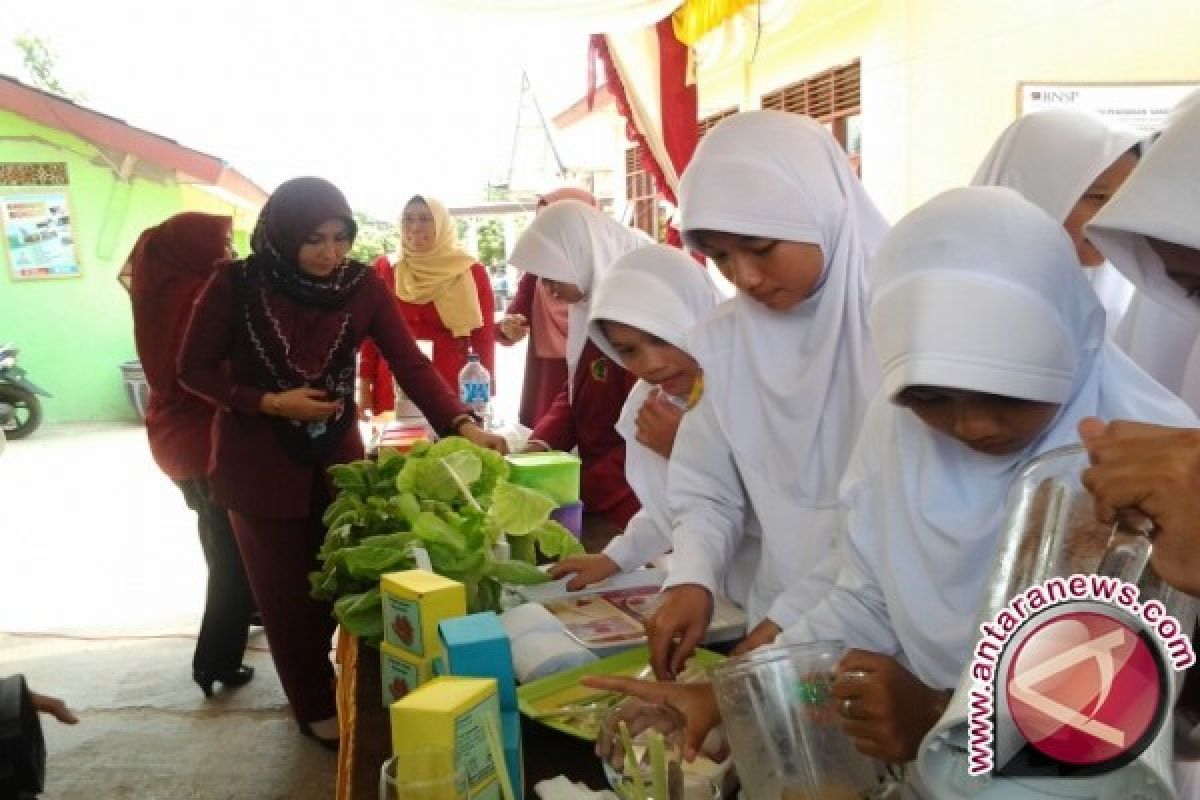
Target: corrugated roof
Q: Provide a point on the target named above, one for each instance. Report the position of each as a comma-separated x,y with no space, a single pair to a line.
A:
103,130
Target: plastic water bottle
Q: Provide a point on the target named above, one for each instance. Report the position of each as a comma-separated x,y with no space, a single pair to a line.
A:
475,388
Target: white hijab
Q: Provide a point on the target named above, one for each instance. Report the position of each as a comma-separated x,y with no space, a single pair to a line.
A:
659,290
1051,158
976,290
1161,199
574,243
789,388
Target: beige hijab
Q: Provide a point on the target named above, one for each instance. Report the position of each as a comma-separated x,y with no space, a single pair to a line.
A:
441,276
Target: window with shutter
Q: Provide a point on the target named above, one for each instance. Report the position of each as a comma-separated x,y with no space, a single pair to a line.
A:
833,98
641,192
709,122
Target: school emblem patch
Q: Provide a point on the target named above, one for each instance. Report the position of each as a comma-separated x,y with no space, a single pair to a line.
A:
600,370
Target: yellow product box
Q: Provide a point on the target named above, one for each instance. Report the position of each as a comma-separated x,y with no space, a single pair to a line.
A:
453,713
403,673
414,602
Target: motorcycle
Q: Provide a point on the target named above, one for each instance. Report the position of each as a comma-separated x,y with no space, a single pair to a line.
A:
20,409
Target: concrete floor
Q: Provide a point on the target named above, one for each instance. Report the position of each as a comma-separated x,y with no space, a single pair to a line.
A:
100,599
100,596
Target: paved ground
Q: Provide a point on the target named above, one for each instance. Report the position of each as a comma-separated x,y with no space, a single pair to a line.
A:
100,595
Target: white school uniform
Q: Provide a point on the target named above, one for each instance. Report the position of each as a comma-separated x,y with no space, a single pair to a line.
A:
572,242
1161,199
663,292
977,290
1051,158
784,391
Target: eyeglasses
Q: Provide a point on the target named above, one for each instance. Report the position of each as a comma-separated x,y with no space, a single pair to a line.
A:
417,219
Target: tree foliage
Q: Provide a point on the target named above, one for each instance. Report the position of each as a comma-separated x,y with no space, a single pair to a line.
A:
375,237
40,65
492,250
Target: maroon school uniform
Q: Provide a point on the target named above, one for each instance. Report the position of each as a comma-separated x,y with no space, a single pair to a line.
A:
545,378
588,421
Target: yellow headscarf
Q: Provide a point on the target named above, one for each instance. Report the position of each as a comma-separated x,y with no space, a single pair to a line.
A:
441,276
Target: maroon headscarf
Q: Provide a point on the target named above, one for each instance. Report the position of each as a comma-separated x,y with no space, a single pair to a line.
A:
165,272
185,246
292,212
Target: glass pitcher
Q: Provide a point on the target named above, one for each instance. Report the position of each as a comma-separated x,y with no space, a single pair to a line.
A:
784,729
1052,532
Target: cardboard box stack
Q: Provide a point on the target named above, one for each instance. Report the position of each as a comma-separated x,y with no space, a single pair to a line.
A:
454,714
478,646
414,602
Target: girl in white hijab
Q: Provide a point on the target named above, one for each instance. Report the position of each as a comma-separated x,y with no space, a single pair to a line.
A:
788,368
641,315
571,246
1068,163
1151,232
993,349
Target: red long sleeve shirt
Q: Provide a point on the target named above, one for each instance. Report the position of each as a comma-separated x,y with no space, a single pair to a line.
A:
449,355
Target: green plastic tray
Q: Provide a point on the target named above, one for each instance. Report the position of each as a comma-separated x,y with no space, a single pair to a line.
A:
555,691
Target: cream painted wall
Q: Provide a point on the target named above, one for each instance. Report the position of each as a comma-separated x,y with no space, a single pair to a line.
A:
939,77
597,142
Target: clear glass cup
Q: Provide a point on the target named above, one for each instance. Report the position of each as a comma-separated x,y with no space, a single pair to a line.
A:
423,774
700,787
627,769
783,727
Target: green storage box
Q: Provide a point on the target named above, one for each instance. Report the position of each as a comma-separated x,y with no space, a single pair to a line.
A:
556,474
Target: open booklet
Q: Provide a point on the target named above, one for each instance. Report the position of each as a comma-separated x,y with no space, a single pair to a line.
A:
608,616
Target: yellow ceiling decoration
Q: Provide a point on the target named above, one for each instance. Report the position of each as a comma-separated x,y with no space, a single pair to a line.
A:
695,18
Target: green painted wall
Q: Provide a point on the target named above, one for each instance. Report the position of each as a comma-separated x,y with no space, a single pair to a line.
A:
75,332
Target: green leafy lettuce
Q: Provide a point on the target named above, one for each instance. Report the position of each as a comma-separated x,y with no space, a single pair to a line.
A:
453,499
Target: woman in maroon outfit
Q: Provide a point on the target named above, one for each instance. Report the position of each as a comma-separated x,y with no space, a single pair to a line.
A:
166,271
536,311
288,321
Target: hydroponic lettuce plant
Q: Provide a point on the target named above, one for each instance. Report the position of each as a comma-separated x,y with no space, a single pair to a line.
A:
451,498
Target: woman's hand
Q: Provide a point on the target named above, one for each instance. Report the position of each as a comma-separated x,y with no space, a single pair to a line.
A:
587,569
695,701
764,633
44,704
365,400
304,404
535,446
658,422
513,328
677,627
1156,471
477,435
885,709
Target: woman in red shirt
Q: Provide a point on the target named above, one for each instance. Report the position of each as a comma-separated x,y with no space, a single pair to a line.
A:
445,296
166,271
271,344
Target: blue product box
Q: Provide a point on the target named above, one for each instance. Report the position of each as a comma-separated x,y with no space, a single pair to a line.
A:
510,723
477,646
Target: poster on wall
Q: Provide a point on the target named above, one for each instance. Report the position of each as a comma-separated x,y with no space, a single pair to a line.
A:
1141,107
38,235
